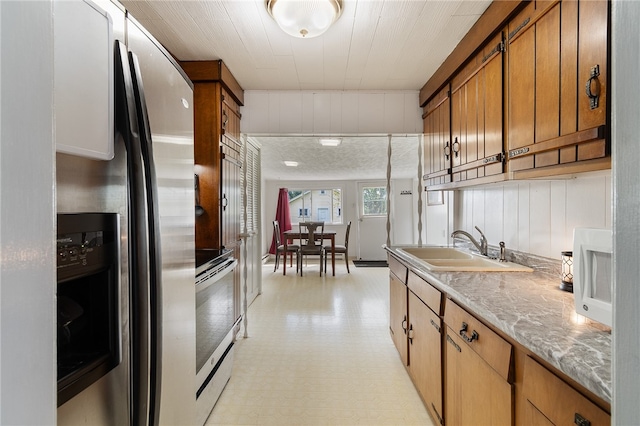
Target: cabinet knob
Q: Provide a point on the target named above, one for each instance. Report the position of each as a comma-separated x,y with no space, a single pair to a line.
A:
593,87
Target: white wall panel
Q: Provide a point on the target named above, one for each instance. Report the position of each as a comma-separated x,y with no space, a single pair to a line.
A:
524,213
350,112
307,112
321,112
510,216
540,217
330,112
290,108
335,125
394,112
536,217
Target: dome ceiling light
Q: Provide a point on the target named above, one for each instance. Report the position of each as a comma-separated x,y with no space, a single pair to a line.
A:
304,18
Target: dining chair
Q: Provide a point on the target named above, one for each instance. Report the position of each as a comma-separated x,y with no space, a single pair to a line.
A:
291,248
339,249
309,233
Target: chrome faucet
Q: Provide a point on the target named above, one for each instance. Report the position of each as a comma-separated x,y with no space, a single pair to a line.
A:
482,246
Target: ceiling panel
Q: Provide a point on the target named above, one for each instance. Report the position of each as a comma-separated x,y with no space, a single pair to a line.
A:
375,45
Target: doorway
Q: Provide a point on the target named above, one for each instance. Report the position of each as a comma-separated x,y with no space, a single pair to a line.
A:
372,220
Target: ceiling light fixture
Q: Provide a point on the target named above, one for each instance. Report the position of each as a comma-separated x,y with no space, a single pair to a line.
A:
304,18
291,163
330,142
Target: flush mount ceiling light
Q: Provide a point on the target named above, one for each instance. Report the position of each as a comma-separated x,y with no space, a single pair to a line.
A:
330,142
291,163
304,18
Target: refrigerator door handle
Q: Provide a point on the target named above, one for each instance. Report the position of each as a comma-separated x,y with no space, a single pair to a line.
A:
127,129
154,249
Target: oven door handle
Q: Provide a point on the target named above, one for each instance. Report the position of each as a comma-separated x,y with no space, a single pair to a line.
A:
229,266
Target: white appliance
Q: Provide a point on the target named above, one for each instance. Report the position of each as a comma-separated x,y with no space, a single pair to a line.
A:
148,184
593,273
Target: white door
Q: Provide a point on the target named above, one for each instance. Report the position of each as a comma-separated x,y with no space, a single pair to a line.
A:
372,220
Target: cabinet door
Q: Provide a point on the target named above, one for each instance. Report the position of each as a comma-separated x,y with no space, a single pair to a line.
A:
549,397
552,48
437,141
474,393
230,198
398,316
476,115
425,356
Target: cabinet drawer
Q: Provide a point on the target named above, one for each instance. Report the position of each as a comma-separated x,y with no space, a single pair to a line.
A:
431,296
556,400
398,269
495,351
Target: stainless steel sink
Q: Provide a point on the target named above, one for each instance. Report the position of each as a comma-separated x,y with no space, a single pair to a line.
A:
454,260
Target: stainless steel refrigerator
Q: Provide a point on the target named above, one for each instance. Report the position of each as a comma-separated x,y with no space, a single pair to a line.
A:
149,184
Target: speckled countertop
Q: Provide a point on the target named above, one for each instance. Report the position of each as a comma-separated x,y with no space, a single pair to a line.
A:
530,308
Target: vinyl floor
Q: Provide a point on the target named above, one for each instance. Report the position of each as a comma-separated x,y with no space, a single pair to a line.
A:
319,353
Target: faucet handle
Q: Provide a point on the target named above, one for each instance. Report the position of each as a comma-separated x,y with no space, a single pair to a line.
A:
483,242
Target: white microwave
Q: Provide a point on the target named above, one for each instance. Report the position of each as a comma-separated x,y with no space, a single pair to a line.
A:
593,273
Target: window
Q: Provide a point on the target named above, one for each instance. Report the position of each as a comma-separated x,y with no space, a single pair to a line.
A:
316,205
374,201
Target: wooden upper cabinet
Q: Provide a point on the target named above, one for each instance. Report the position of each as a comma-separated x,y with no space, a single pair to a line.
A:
437,139
477,114
552,47
217,100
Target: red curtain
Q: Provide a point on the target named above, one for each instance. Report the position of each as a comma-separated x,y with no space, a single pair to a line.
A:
283,216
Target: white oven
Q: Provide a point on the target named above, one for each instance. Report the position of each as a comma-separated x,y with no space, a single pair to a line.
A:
216,321
593,273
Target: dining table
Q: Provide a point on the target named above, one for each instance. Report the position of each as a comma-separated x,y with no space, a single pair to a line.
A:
291,235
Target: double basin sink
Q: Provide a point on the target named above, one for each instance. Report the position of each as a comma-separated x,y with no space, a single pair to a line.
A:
442,259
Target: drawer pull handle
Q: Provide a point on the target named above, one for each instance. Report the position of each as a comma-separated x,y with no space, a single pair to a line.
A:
447,151
437,327
581,421
456,147
463,333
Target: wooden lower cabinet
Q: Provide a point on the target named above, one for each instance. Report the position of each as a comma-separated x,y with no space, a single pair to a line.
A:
398,318
551,401
425,355
478,366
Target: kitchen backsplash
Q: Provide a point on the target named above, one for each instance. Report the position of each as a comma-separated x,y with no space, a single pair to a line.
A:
536,216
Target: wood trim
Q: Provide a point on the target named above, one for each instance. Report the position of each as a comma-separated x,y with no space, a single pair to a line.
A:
557,143
469,183
478,163
437,174
489,23
562,171
214,71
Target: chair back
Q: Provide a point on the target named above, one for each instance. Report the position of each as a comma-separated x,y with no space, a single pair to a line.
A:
346,237
309,231
276,232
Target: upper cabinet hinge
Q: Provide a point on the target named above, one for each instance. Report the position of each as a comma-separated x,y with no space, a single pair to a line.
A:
498,48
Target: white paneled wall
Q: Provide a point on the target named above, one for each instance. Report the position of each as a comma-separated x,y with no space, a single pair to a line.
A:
331,112
534,216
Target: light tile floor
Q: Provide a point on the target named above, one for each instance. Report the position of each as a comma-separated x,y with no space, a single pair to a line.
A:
319,353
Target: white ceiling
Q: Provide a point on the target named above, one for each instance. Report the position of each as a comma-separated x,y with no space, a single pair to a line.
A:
374,45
